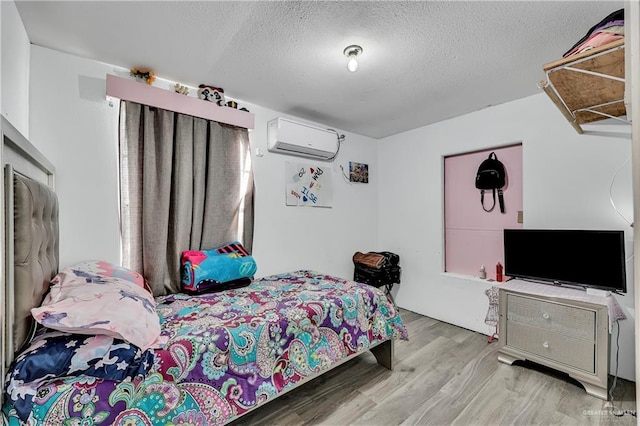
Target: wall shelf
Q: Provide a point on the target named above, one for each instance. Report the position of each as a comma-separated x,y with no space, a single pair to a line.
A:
131,90
589,86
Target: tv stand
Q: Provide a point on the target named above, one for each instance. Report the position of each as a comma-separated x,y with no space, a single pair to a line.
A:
568,335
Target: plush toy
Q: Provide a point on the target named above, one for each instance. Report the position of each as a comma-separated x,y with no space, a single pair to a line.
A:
211,94
179,88
143,74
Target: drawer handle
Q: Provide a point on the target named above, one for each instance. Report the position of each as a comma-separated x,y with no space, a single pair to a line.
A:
545,315
545,345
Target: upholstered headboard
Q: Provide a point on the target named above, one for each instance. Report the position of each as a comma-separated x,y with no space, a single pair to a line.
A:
30,238
34,225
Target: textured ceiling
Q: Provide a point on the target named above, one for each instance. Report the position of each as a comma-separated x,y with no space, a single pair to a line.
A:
423,62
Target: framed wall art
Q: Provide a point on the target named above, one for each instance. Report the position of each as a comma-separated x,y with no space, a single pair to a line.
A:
358,172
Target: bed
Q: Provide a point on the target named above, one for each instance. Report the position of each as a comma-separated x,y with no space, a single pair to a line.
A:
218,355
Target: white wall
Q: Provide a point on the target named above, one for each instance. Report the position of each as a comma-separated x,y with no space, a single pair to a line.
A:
289,238
74,127
15,68
72,124
566,180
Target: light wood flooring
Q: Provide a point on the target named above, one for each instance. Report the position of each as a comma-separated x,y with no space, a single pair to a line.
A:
444,375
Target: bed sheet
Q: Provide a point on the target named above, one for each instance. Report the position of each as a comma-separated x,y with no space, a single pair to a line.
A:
229,352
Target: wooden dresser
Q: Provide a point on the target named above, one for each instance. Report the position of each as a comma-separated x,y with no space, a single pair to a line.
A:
568,335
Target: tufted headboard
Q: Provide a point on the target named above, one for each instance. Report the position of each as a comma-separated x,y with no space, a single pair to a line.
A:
30,238
35,251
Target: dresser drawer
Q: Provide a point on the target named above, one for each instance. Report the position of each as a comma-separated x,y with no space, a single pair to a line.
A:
563,333
577,353
568,320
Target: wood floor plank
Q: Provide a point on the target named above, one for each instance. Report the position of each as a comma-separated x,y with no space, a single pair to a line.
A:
488,408
440,409
346,414
420,334
474,375
397,406
533,403
415,366
444,375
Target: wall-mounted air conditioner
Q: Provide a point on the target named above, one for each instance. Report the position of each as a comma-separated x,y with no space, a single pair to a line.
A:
288,137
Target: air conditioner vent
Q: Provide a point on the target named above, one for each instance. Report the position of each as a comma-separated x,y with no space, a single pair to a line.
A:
288,137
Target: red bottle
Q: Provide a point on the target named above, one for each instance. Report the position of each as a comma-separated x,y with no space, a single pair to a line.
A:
499,272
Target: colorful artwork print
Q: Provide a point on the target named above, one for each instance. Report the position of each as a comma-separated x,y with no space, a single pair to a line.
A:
358,172
308,185
227,353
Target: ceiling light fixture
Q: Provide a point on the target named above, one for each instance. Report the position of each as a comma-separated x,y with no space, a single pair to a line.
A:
352,53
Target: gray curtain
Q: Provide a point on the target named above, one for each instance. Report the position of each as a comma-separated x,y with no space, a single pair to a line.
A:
185,184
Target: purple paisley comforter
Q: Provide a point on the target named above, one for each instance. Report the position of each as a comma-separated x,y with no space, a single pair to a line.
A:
228,352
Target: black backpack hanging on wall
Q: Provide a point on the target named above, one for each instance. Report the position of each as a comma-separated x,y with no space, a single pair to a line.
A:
491,175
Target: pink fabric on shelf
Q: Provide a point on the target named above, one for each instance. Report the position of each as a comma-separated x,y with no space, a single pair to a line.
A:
596,40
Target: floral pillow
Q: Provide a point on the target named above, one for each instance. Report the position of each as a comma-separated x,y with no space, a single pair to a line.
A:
54,354
85,302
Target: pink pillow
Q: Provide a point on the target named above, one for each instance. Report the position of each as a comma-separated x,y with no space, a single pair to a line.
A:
109,270
84,302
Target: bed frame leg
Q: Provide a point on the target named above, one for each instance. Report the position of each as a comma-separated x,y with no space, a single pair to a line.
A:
384,354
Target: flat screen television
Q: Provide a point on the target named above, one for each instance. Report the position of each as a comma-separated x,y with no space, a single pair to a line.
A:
583,258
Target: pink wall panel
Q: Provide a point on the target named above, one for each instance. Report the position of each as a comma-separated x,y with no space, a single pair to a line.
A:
467,250
472,236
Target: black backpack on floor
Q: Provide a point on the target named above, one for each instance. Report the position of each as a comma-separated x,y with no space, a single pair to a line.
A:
491,175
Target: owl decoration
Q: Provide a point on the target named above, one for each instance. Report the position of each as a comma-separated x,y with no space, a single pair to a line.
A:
211,94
